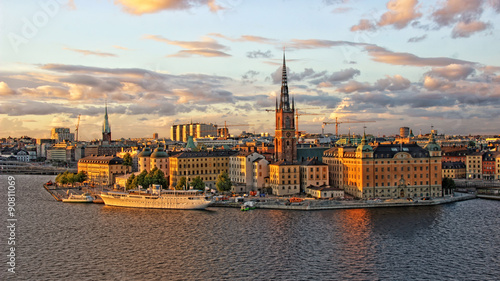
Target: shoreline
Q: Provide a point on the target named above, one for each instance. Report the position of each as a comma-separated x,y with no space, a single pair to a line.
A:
315,205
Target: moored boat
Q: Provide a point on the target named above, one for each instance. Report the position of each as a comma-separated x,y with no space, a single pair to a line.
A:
156,198
249,205
79,198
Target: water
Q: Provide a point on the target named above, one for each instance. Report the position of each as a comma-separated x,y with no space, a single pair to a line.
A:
58,241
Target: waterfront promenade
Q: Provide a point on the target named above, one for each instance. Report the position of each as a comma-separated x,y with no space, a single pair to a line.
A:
311,205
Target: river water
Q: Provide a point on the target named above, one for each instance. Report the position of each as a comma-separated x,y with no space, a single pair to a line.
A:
58,241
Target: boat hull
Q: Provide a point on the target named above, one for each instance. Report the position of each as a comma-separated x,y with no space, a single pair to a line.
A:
155,202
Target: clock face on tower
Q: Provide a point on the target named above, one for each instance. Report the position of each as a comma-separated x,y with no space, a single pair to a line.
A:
288,134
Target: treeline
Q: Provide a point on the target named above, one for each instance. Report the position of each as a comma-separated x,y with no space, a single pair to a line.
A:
145,179
70,178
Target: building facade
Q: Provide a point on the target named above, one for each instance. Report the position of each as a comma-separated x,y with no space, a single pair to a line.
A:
208,165
454,170
386,170
285,139
102,169
284,178
62,135
241,170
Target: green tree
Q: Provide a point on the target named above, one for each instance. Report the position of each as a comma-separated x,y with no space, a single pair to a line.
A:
142,179
127,160
448,184
81,177
130,182
223,182
198,183
181,184
156,176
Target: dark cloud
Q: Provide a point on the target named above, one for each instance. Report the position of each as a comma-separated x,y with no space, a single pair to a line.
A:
417,39
259,54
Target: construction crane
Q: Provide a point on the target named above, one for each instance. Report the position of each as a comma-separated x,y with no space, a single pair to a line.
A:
225,132
77,127
297,114
337,125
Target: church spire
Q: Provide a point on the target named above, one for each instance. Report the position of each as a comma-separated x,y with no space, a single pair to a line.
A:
106,129
284,99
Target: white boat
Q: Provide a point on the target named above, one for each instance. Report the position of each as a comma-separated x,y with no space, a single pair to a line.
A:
157,199
79,198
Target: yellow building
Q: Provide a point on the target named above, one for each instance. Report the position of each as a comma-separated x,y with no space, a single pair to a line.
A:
386,170
205,164
102,169
144,160
454,170
284,178
159,159
313,173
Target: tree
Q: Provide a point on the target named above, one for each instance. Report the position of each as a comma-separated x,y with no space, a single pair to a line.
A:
142,180
156,176
181,184
448,184
223,182
198,183
127,160
130,182
81,177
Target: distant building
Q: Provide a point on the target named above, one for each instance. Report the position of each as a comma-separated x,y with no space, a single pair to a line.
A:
62,135
474,162
325,192
103,169
386,170
208,165
181,132
155,136
454,170
404,132
106,129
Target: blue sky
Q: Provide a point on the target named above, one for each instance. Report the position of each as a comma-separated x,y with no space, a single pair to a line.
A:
157,63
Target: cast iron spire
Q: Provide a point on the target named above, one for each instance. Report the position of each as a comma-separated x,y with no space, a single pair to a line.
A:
284,100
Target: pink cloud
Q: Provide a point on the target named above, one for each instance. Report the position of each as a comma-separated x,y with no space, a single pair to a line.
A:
399,14
91,53
466,29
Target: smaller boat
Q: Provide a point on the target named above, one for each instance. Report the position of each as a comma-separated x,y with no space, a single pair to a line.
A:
81,198
249,205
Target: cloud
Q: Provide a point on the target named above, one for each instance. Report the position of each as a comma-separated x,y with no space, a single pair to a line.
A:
452,71
199,52
399,14
417,39
363,24
380,54
259,54
208,47
5,90
139,7
395,83
339,76
435,83
91,53
246,38
466,29
121,48
464,15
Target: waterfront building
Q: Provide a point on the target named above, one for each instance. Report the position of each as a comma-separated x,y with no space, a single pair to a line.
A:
474,165
159,159
62,135
106,129
102,170
143,159
313,173
322,192
285,139
260,173
386,170
208,165
284,178
489,166
241,170
454,170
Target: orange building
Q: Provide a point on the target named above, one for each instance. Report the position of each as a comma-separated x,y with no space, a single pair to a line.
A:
386,170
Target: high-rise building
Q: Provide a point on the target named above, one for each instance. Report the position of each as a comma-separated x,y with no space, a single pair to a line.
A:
404,132
106,129
155,136
62,134
181,132
285,141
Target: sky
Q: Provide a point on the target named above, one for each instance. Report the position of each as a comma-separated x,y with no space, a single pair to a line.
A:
399,63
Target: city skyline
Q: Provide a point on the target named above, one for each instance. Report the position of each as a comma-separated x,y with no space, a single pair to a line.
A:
401,63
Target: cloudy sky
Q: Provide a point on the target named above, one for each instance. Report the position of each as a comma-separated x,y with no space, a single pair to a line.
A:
162,62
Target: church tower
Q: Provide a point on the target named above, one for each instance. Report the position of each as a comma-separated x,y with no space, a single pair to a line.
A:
106,129
285,142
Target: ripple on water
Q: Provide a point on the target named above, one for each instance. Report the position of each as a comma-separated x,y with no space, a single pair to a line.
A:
95,242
